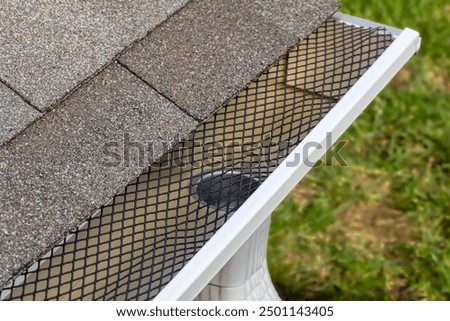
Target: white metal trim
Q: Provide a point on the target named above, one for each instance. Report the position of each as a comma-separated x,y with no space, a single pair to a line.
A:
226,242
360,22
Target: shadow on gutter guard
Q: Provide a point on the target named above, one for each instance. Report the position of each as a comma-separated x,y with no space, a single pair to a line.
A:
138,242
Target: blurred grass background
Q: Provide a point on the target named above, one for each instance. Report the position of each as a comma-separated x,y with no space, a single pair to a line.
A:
379,229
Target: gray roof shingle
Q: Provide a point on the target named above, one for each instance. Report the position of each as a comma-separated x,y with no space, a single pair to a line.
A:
58,171
15,114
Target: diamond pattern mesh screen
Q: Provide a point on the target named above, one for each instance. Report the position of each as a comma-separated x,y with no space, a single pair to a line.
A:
136,244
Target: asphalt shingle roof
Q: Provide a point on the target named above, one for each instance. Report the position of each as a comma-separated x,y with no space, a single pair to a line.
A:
49,47
63,154
217,47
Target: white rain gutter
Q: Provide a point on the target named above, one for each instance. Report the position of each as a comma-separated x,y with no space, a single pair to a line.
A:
188,283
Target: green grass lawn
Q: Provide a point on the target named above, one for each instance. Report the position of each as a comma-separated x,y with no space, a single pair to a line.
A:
379,229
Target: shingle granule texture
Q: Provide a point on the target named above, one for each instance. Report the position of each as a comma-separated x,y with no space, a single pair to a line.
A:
15,114
73,160
208,51
48,47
